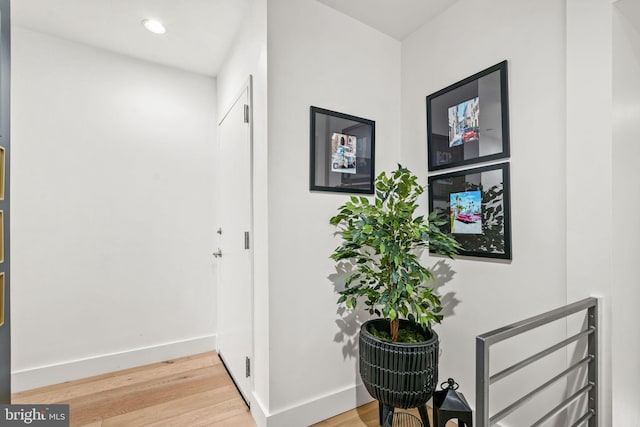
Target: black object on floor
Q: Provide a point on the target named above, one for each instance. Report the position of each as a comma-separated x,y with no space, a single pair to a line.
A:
396,374
449,404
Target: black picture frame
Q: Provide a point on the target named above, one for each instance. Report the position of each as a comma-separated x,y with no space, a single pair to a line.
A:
342,152
484,230
468,121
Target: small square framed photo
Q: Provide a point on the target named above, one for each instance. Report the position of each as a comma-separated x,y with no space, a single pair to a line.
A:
468,122
476,202
342,152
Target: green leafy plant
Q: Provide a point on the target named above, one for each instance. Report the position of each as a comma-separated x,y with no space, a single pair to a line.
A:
383,239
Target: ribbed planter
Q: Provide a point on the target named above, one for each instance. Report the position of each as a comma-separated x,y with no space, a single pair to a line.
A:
399,375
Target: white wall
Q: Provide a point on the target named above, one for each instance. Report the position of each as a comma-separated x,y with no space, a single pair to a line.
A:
590,170
318,57
113,187
483,294
626,200
113,211
248,56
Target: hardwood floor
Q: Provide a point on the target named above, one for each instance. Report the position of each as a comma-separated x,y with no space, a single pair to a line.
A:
190,391
187,392
366,416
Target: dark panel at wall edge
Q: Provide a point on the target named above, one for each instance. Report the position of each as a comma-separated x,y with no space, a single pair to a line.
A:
5,71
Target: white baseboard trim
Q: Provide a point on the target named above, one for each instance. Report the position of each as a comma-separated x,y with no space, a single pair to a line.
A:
28,379
319,409
258,411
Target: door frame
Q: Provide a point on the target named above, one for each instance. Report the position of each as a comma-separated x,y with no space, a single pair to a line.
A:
247,86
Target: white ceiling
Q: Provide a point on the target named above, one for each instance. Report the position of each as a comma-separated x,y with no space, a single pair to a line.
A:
397,18
199,32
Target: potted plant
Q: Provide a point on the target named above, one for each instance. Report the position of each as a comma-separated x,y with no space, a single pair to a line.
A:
383,239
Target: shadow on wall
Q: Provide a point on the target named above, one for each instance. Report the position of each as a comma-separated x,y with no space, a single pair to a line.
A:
349,322
442,275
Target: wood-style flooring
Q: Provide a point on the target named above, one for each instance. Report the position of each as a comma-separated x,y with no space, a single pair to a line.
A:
362,416
366,416
187,392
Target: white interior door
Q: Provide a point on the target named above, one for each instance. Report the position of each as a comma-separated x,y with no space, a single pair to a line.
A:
235,284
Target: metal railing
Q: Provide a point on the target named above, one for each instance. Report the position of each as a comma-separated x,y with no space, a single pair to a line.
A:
484,379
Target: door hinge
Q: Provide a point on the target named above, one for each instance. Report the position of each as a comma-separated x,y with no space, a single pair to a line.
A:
246,240
248,366
246,113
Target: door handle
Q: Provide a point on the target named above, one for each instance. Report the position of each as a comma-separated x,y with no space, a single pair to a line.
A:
217,254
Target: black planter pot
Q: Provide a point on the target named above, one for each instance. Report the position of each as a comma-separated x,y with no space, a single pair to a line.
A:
398,375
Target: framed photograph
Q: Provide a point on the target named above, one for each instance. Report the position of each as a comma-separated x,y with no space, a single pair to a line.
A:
342,152
468,122
476,203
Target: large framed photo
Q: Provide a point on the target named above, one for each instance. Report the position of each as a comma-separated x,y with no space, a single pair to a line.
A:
476,203
468,122
342,152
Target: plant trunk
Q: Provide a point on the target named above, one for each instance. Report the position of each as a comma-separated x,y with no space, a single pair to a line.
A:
394,326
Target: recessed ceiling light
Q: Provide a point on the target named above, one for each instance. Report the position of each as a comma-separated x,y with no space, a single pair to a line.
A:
156,27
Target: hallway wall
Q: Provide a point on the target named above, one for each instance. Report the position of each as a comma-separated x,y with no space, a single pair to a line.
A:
319,57
482,294
113,202
626,201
